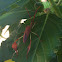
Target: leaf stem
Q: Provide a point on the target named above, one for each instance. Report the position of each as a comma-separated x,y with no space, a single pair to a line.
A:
41,32
44,24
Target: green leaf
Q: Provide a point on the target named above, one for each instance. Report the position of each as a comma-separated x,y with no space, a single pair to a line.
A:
48,28
44,50
56,8
59,54
46,4
12,12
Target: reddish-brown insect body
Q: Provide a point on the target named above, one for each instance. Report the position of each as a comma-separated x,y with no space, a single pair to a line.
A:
28,30
14,46
26,33
29,47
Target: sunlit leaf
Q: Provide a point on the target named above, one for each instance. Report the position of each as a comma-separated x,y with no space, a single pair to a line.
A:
10,60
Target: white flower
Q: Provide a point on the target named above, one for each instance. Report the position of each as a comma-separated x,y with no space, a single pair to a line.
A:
43,0
4,34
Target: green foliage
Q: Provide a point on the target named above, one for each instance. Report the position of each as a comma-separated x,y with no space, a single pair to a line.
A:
47,26
56,9
41,6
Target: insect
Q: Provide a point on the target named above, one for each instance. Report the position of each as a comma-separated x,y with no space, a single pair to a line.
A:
14,46
26,34
28,30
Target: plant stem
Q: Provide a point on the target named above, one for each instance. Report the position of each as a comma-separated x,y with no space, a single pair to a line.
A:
44,24
41,32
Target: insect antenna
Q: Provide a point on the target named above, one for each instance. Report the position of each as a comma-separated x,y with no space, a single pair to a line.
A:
32,21
35,13
28,12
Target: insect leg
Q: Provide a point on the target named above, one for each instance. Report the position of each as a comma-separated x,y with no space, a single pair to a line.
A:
36,35
14,54
29,46
28,12
19,37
